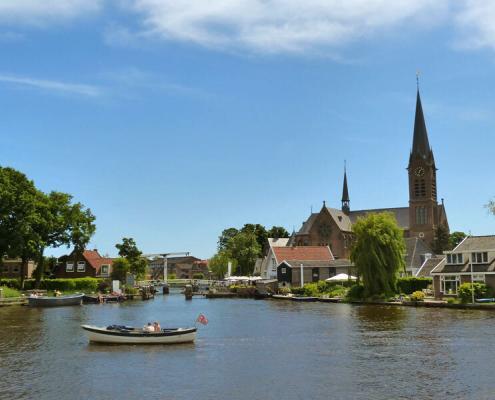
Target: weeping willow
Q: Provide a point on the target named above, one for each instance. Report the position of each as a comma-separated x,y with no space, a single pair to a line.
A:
378,252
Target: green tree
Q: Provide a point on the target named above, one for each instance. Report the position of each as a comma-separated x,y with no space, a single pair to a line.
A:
456,238
259,231
245,249
218,264
491,206
120,268
442,240
129,250
378,252
278,232
224,238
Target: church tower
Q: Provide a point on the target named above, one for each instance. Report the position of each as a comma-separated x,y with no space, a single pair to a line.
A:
346,202
423,206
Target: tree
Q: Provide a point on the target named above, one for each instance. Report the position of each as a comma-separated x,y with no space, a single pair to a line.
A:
129,250
120,268
456,238
259,231
218,264
378,252
224,238
442,240
278,232
245,249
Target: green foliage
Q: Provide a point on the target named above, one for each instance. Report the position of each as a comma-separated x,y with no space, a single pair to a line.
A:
378,252
491,206
72,285
120,268
128,289
410,284
171,276
16,283
128,250
245,249
284,290
278,232
218,264
417,296
198,275
442,240
456,238
451,300
311,290
298,291
356,292
224,238
466,289
9,292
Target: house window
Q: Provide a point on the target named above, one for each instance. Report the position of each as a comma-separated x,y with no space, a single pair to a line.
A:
5,268
69,267
81,266
455,259
315,272
479,258
450,283
104,270
15,269
421,215
332,271
479,278
283,270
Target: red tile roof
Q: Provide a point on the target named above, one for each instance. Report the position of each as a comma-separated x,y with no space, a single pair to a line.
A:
95,260
303,253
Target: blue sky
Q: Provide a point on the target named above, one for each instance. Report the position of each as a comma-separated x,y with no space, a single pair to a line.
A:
172,120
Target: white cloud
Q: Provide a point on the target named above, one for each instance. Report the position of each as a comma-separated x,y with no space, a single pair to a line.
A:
54,86
40,12
475,18
275,26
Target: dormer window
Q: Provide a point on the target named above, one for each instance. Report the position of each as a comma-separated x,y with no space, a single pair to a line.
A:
479,257
455,258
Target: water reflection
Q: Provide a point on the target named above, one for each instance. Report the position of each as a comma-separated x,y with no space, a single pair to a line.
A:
250,350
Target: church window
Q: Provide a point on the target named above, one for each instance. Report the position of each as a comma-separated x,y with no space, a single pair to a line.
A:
421,215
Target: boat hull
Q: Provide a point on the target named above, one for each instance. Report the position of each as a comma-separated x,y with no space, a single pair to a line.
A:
45,301
103,335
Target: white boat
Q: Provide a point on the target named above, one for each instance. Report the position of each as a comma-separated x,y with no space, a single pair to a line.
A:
128,335
46,301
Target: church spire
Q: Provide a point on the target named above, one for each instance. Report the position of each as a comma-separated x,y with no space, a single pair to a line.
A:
421,145
345,194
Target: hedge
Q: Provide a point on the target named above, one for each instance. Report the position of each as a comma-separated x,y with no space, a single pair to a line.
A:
412,284
64,285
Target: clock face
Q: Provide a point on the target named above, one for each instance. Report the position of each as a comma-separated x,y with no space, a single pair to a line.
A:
419,171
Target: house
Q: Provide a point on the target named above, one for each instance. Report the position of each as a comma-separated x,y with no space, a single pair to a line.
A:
266,267
190,270
87,264
318,263
155,265
429,265
473,257
417,252
11,268
419,219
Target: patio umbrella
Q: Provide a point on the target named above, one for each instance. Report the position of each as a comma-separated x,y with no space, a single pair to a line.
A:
341,277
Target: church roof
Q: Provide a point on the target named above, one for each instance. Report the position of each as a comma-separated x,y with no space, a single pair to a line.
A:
421,145
341,219
306,226
345,190
416,249
401,215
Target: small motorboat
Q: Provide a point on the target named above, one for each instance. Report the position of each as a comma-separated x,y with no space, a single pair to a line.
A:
58,301
282,296
119,334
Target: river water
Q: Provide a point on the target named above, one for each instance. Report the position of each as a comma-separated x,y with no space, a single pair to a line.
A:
251,350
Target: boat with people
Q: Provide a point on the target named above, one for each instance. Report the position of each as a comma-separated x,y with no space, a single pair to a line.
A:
121,334
57,301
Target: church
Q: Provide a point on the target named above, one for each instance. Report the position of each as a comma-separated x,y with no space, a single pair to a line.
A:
420,219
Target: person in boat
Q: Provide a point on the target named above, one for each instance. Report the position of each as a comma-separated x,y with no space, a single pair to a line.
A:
149,328
157,326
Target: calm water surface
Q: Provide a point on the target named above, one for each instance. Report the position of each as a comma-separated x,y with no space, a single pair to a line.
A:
251,350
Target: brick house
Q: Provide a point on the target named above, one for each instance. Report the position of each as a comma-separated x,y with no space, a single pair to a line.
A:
11,268
473,257
189,270
89,264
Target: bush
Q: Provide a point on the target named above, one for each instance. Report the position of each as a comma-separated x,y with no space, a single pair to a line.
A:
128,289
284,291
297,291
417,296
311,290
451,300
337,291
72,285
9,292
199,275
412,284
480,291
356,292
171,276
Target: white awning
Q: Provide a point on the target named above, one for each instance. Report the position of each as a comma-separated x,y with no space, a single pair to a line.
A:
341,277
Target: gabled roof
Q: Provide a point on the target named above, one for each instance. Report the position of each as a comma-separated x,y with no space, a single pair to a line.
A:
476,243
341,219
278,242
303,253
401,215
429,265
416,248
96,260
306,226
341,262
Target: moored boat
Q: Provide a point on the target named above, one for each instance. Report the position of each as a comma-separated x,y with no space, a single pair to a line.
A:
301,298
117,334
59,301
282,296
